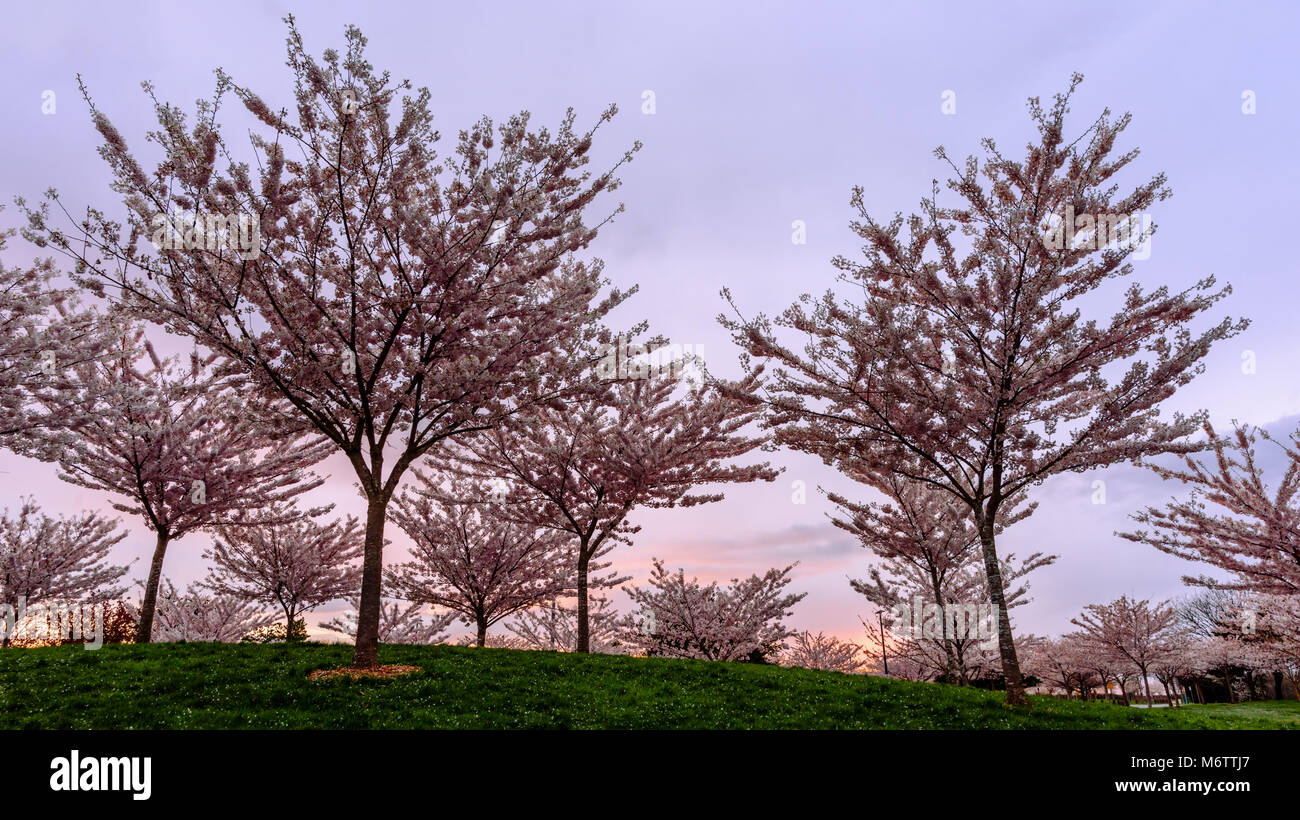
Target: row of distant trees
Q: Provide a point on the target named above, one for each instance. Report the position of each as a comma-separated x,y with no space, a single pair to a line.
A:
428,312
1240,645
468,565
927,552
471,564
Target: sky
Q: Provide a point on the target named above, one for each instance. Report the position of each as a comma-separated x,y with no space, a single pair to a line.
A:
763,114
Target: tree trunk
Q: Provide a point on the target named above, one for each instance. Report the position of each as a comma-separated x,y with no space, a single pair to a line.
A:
144,629
288,624
584,626
1006,643
1227,681
366,653
1200,695
1146,684
950,655
482,632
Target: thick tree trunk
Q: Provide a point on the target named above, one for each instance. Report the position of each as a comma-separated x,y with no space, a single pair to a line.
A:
482,632
1227,682
953,673
366,653
584,625
1146,684
144,629
1006,643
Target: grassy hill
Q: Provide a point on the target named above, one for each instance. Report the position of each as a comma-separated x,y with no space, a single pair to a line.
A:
222,686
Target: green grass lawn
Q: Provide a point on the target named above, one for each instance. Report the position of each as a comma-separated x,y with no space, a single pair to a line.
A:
224,686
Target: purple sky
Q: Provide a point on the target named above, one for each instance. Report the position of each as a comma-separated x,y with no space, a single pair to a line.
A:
765,114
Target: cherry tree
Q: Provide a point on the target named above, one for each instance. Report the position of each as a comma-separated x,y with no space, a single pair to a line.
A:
496,642
1279,625
184,450
296,565
899,655
554,626
967,363
908,659
924,659
929,554
1137,631
43,331
393,296
639,442
1124,673
1178,662
470,559
682,618
822,651
1062,664
57,559
398,623
1224,627
1232,521
902,667
1221,654
950,632
196,615
1109,667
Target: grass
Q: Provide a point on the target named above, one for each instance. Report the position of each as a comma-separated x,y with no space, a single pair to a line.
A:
224,686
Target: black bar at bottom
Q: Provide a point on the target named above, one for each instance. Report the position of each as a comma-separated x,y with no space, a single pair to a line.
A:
327,770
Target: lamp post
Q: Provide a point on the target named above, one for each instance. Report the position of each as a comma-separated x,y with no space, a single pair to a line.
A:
553,617
884,654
